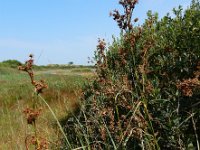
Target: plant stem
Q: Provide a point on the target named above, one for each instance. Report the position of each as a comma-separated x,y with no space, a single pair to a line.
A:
196,135
60,127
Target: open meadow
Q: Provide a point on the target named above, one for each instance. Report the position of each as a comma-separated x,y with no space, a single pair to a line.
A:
16,94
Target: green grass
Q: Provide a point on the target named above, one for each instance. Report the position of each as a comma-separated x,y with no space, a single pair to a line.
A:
16,94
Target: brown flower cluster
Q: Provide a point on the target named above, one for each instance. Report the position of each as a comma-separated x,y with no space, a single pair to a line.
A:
101,61
31,115
39,143
188,85
101,47
39,85
28,67
124,20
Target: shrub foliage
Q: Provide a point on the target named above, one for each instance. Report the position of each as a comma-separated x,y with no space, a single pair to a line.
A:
146,92
10,63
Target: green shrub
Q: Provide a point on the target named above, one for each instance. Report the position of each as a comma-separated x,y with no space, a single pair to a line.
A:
146,93
10,63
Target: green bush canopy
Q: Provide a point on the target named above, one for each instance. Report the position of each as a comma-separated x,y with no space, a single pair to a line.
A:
10,63
146,93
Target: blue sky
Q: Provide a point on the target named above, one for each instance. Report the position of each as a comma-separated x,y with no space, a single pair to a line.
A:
60,31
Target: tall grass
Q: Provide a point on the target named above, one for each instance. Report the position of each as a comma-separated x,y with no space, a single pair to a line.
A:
16,95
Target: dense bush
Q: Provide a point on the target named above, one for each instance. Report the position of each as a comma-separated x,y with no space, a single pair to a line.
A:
10,63
146,93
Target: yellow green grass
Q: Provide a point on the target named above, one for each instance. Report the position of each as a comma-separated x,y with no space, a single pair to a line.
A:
16,94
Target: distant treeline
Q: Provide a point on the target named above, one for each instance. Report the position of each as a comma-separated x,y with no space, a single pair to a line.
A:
16,63
10,63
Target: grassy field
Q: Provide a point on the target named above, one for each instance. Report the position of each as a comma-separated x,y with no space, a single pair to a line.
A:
16,94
